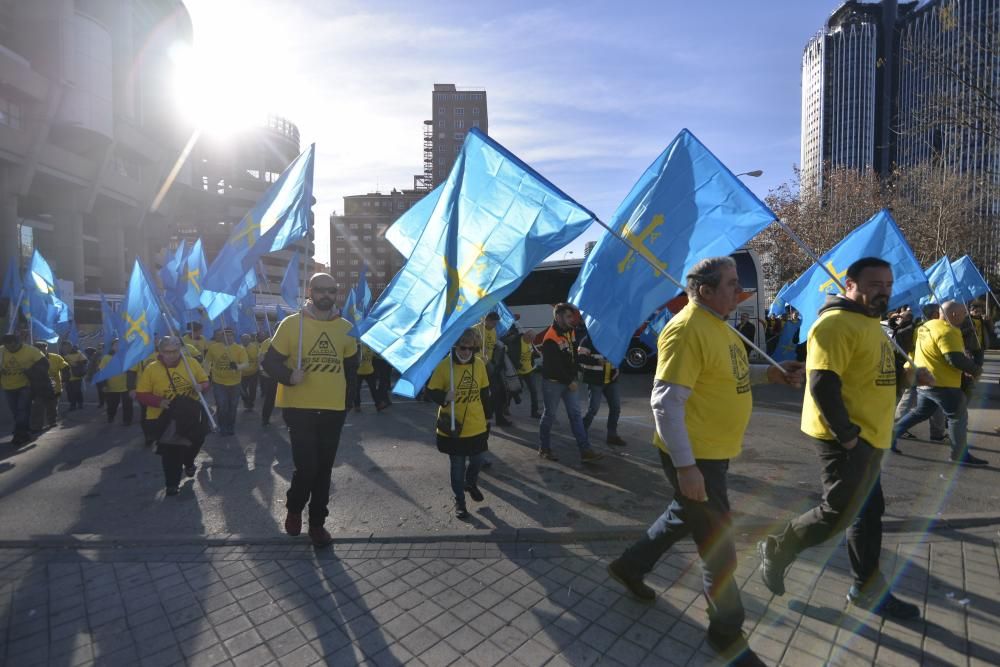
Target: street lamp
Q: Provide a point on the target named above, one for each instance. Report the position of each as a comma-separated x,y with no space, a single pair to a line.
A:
755,173
568,252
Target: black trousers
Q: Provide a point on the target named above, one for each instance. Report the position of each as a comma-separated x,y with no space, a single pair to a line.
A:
112,399
74,392
315,437
248,390
383,378
370,381
268,389
852,501
174,459
710,525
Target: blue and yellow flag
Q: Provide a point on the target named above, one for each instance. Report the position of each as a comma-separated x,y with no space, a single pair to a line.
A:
291,284
493,221
970,281
943,283
788,341
362,293
777,308
140,313
110,323
879,237
507,319
686,206
47,315
170,273
280,218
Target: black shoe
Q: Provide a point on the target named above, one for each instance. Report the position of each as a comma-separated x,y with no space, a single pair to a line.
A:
590,456
460,511
772,570
969,460
906,435
503,421
547,455
172,490
734,650
320,537
190,470
616,441
938,438
634,584
474,493
887,605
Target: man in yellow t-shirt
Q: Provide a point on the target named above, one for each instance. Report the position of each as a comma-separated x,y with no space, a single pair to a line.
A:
939,347
22,367
45,409
78,370
701,407
117,387
197,340
225,362
307,357
248,383
268,385
847,411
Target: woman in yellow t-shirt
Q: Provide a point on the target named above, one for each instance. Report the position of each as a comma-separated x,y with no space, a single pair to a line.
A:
460,384
116,390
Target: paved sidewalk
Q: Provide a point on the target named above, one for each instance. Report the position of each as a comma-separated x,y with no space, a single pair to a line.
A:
473,603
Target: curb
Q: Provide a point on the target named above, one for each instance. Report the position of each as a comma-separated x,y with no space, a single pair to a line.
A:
744,527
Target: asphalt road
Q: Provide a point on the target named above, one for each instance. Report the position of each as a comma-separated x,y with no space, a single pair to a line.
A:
88,477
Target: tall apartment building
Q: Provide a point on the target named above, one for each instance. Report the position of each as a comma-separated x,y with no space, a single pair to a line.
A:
868,94
454,111
89,131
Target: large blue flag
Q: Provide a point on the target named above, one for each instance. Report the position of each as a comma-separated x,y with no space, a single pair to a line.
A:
191,282
494,220
351,313
291,284
878,237
362,293
785,349
942,281
280,218
140,313
507,319
110,323
213,301
47,315
650,334
686,206
777,308
279,314
171,273
970,281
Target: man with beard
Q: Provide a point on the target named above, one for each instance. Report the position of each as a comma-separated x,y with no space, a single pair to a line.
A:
307,357
847,411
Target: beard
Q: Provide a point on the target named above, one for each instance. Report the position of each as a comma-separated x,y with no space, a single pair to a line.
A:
326,303
879,305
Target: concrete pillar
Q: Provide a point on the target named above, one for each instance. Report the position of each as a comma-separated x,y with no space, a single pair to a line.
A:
9,240
67,241
111,241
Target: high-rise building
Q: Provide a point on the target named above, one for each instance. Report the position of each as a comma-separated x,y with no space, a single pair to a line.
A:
871,96
454,112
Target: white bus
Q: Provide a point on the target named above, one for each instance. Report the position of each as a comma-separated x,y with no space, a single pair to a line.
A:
550,283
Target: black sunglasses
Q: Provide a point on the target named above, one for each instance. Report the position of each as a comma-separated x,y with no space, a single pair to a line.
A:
466,347
321,290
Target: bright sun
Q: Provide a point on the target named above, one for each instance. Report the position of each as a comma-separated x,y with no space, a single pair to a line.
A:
222,83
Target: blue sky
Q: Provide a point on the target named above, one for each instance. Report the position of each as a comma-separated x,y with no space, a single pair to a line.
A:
588,93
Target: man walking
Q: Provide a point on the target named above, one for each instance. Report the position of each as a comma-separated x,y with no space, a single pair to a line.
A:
307,357
601,378
23,369
248,383
941,349
77,371
45,406
268,385
559,385
847,412
225,362
748,329
701,405
494,366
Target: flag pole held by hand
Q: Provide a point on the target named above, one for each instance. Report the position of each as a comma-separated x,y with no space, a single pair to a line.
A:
451,385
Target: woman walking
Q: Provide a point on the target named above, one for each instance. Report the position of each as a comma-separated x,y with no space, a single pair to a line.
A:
461,386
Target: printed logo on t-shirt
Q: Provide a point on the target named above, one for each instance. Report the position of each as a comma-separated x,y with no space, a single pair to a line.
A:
467,389
322,356
741,368
887,366
181,385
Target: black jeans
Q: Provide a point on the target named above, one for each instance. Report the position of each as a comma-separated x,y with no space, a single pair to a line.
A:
248,390
710,526
383,377
174,459
852,501
112,399
315,436
370,381
269,389
74,393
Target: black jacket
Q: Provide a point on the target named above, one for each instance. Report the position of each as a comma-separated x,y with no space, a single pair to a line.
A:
559,355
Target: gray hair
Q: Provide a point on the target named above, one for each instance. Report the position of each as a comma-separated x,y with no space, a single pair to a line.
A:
707,272
169,341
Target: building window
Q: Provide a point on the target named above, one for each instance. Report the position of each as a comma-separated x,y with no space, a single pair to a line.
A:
475,123
459,124
366,237
354,262
459,136
401,205
341,274
475,111
366,203
368,225
380,250
341,249
442,135
380,262
443,124
10,114
459,111
442,110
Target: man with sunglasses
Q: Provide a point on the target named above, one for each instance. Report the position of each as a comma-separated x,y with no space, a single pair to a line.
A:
310,356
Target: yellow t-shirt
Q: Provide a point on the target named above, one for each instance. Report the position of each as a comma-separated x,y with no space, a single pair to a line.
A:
76,360
525,366
201,345
116,384
365,367
15,363
325,345
218,358
253,358
154,380
699,351
935,339
264,347
470,379
855,347
56,364
489,340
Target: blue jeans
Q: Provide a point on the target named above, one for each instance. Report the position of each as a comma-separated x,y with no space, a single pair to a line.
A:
552,394
227,399
531,380
613,396
19,402
953,404
462,476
